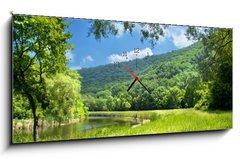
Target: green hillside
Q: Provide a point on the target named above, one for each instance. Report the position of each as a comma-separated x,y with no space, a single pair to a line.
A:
167,76
157,68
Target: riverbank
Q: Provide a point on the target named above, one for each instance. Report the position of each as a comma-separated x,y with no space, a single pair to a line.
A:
153,122
27,124
168,121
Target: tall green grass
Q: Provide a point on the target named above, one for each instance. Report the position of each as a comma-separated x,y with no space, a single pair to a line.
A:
168,121
162,121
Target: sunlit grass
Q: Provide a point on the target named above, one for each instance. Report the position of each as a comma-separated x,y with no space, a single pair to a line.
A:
162,121
169,121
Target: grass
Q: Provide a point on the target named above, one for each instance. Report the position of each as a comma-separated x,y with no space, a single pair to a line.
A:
168,121
162,121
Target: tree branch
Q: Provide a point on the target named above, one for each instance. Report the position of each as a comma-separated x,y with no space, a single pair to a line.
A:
31,61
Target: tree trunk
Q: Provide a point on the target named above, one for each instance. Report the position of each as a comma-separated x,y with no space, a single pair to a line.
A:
26,89
35,119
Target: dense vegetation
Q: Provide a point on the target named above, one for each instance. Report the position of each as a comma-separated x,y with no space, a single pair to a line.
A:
162,121
210,88
167,76
198,76
44,88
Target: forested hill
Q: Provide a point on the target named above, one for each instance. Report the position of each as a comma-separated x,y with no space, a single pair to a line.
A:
172,79
169,69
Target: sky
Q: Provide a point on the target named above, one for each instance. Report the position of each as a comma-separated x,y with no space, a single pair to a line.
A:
88,52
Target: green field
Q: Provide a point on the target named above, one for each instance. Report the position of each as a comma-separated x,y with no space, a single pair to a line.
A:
167,121
159,121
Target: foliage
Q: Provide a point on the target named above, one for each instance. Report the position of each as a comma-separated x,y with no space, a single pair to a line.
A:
21,108
162,121
40,45
215,64
172,79
196,76
102,29
64,98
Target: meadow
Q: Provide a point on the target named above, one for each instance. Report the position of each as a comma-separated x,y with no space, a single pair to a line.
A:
167,121
151,122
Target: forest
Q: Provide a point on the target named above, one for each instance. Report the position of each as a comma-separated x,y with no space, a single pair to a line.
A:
169,76
47,93
178,79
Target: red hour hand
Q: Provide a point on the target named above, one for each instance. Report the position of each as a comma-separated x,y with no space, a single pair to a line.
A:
136,79
134,76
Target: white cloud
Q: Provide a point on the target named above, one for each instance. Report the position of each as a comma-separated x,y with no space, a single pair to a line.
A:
84,60
175,33
130,55
87,58
120,27
76,68
69,55
178,36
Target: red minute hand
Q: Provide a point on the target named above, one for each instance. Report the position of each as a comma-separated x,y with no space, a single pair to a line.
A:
134,76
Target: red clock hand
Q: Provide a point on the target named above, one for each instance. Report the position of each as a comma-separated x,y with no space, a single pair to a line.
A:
134,76
136,79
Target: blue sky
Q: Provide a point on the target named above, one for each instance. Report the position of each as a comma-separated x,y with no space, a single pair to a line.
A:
89,52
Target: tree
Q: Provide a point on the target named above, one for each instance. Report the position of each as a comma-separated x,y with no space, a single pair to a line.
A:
110,103
202,95
197,93
160,96
21,107
103,28
89,101
101,104
175,97
215,63
103,94
190,95
123,103
65,101
39,49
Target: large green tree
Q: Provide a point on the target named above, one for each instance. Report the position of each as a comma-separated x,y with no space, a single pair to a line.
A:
215,63
65,101
39,50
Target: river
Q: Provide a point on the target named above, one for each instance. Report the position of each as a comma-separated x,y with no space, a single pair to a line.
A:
82,128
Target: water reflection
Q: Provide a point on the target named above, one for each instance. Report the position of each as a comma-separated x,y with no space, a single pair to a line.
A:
84,127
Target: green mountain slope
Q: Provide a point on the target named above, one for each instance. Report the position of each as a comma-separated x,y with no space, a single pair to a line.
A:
156,68
172,80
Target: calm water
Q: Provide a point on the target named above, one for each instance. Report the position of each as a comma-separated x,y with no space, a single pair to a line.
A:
82,127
